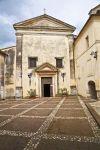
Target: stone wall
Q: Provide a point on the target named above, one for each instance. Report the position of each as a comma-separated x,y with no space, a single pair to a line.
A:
10,72
2,66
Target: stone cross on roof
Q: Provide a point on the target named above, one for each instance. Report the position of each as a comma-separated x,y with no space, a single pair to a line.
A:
44,11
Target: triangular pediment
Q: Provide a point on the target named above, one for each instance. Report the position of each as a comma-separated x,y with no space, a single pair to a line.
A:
44,21
46,67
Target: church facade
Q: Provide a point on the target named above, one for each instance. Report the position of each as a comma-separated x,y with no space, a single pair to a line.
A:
43,58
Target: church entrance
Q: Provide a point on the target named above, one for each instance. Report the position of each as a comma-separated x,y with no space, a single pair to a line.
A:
92,89
46,87
46,90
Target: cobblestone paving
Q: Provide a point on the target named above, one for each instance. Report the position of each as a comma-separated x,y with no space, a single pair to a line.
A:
48,123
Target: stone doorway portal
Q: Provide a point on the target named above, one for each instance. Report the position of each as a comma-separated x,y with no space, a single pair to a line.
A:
92,89
46,86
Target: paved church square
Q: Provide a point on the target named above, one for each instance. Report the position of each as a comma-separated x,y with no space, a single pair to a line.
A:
43,123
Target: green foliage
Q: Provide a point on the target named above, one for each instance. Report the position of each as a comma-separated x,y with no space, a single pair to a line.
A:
62,92
32,93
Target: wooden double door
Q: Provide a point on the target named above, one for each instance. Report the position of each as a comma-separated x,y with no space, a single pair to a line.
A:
46,87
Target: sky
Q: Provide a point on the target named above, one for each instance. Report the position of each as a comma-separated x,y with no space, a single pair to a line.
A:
74,12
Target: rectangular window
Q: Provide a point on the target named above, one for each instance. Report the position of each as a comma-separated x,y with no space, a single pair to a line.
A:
87,42
59,63
72,69
32,62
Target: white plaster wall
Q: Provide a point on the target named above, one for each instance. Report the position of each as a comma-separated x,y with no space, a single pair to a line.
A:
46,47
86,66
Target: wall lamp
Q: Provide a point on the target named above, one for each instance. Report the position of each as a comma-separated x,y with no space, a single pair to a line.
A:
94,54
30,75
63,75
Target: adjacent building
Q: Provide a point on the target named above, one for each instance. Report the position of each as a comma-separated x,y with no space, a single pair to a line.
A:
87,56
10,72
2,72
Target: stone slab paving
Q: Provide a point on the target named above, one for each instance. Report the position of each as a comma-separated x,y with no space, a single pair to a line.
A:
25,106
71,106
47,106
52,144
3,118
71,103
6,105
39,112
24,124
97,109
48,123
70,127
70,113
94,113
11,111
12,143
95,128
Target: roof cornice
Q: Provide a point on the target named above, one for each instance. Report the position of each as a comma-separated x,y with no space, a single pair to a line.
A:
89,19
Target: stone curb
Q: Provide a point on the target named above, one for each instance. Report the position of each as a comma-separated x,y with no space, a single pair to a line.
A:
94,113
